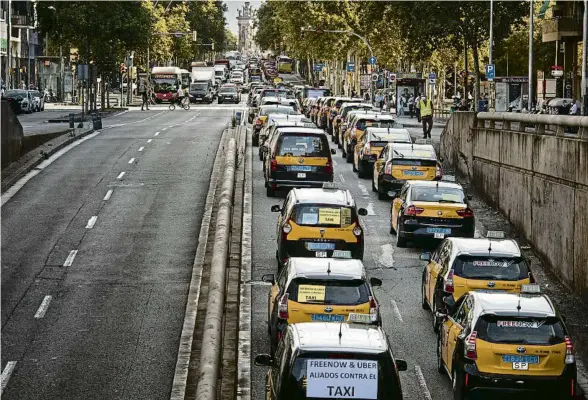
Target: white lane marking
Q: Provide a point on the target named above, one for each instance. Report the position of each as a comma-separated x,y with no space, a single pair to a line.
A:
91,222
341,177
363,190
422,383
370,209
396,310
108,194
334,162
43,307
387,256
132,160
70,258
156,134
149,140
21,182
10,365
163,129
121,175
141,148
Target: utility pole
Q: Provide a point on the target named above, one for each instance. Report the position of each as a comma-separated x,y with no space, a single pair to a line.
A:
530,99
8,82
491,45
584,37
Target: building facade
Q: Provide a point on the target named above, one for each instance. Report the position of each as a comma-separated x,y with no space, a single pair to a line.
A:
245,23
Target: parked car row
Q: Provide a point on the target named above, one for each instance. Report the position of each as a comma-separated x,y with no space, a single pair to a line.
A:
24,101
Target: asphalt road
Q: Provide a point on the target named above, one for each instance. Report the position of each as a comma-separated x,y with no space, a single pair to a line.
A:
109,231
408,326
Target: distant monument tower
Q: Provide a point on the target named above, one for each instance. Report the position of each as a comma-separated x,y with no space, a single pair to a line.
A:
244,20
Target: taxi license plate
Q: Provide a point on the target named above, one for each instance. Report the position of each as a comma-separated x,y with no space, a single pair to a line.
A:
514,358
301,175
320,246
413,173
341,254
300,168
443,231
327,318
321,254
520,366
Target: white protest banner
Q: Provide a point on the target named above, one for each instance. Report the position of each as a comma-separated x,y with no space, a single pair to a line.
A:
353,379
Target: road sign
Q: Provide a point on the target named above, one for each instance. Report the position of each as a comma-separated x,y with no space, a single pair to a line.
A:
490,72
392,77
432,76
432,81
375,77
350,67
372,60
318,67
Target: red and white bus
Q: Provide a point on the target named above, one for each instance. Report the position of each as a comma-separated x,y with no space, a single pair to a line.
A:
165,82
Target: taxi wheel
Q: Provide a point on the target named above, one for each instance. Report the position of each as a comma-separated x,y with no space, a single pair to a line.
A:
400,240
459,391
269,191
381,194
349,158
353,167
440,366
373,185
424,304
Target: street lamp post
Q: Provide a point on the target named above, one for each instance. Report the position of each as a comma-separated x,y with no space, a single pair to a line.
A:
530,100
584,34
349,33
491,45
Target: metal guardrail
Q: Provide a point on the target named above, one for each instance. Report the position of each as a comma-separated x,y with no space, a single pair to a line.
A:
441,114
542,123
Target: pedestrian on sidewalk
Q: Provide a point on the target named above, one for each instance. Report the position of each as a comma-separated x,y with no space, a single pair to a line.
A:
401,104
426,109
411,105
417,104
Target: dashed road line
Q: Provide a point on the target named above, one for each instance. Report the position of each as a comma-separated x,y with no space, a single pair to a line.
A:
10,365
132,160
91,222
149,140
396,310
108,194
341,177
141,148
163,129
121,175
335,162
70,258
156,134
422,383
43,307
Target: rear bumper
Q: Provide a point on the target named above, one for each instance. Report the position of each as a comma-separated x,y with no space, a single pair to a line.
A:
297,248
285,183
558,386
414,228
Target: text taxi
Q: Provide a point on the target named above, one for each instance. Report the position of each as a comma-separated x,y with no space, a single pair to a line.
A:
319,223
460,265
319,290
322,360
399,162
425,209
503,341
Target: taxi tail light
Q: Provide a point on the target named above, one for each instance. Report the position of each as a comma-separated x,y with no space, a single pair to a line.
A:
367,148
470,346
570,351
448,285
283,307
273,165
329,167
438,172
373,308
388,169
258,121
465,213
413,210
532,277
357,231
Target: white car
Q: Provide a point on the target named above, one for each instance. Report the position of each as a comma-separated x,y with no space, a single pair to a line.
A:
37,100
237,77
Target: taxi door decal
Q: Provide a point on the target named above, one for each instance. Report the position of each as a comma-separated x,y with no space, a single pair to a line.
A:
434,277
396,204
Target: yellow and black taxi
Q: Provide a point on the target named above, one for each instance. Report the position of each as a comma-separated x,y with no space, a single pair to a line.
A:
264,112
319,223
430,210
507,342
369,147
357,128
322,115
275,121
335,361
298,157
399,162
460,265
316,106
340,124
319,290
335,110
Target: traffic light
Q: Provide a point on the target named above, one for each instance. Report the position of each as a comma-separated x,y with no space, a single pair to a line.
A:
123,68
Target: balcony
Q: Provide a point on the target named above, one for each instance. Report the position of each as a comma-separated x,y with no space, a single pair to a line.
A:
558,29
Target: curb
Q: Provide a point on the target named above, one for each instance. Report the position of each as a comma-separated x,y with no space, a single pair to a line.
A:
22,171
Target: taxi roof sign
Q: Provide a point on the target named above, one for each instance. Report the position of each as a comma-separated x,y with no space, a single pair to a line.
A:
330,185
495,235
423,141
531,289
448,178
360,318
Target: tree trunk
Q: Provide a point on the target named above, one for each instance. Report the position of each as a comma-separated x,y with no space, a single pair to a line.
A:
477,75
107,86
102,92
465,65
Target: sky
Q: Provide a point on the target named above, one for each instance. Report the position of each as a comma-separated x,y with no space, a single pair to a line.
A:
232,13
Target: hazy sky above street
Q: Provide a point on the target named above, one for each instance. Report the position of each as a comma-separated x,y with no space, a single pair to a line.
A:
232,13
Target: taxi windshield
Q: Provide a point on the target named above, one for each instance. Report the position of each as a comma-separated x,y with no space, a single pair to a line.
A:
383,385
300,145
278,110
331,291
438,194
516,330
323,215
362,124
413,162
498,269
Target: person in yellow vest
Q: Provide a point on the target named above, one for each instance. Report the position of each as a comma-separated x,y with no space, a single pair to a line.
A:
426,109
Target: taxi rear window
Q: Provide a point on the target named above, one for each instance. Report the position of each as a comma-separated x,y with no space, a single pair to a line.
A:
303,145
335,292
437,194
323,215
414,163
497,269
385,383
532,331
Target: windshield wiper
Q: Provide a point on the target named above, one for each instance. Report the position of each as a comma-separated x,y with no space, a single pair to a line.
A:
448,201
401,155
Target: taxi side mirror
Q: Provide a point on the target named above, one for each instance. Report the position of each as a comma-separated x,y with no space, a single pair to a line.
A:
426,256
449,303
375,282
269,278
393,194
264,360
401,365
333,151
362,211
276,208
